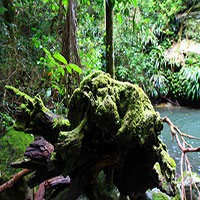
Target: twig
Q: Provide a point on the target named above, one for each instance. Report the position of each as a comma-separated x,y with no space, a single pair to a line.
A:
15,179
182,178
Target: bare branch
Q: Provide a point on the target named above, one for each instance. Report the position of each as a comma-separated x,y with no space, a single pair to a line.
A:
15,179
175,132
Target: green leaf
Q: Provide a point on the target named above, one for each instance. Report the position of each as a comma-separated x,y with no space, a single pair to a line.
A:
119,17
83,1
37,43
58,88
47,52
34,29
59,57
65,2
76,68
68,69
53,7
50,56
2,10
108,48
60,70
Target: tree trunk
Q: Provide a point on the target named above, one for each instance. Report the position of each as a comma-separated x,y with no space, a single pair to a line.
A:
70,47
109,38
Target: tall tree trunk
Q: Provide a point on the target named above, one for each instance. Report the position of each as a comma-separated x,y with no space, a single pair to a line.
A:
69,42
109,38
70,47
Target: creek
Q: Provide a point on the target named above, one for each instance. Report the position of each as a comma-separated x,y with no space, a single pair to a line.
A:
188,121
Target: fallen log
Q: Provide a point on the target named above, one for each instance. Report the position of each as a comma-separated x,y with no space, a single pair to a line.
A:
111,127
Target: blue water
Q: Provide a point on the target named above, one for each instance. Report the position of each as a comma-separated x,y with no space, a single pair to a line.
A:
188,121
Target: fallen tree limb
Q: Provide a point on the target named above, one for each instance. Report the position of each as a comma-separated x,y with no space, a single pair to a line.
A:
57,181
15,179
176,132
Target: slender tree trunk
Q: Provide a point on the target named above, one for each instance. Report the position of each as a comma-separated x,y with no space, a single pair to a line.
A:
109,38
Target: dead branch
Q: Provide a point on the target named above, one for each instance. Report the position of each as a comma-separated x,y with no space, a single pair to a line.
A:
39,195
175,132
15,179
57,181
190,170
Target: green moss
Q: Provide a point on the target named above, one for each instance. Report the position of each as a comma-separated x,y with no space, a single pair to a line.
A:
29,104
61,122
22,96
159,196
168,159
177,197
34,117
39,105
73,137
105,190
165,168
12,147
161,176
165,157
122,109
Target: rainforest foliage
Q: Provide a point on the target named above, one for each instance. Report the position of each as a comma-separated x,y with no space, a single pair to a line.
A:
48,46
149,50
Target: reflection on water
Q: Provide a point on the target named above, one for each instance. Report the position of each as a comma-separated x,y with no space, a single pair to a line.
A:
188,121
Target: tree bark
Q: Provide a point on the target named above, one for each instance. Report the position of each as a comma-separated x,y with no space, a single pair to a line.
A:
70,47
15,179
109,38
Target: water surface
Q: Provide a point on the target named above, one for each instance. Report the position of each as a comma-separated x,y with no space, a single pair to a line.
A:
188,121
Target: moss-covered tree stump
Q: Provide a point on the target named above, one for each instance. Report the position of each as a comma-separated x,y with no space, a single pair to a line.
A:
111,127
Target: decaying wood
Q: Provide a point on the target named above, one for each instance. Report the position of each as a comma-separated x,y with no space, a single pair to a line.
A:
111,128
58,181
39,195
34,118
39,153
15,179
40,149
